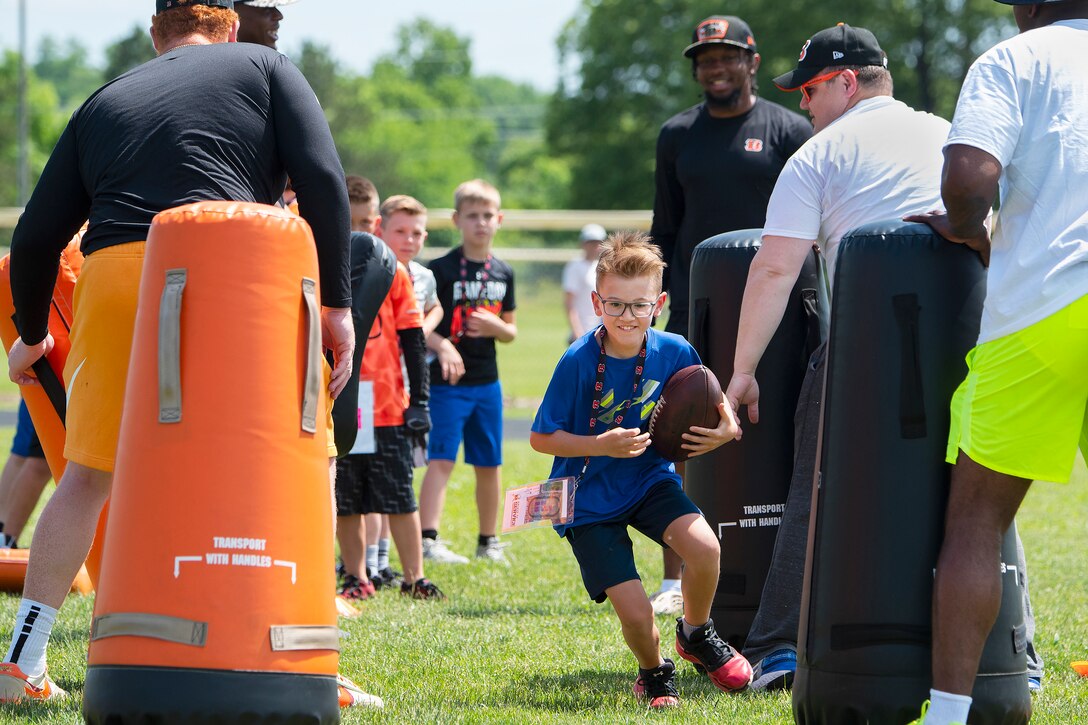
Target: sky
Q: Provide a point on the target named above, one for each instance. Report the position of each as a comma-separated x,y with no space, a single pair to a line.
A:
511,38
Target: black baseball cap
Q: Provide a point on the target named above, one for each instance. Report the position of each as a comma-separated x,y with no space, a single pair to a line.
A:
840,45
721,30
264,3
1028,2
163,5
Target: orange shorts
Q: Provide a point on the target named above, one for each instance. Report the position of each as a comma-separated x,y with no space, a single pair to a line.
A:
104,321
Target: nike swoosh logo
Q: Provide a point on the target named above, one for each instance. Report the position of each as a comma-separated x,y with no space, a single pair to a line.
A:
68,392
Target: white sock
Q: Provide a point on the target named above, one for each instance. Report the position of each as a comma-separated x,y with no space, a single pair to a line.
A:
372,558
383,554
946,708
668,585
33,625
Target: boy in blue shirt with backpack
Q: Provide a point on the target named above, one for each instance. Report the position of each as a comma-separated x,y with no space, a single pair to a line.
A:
601,395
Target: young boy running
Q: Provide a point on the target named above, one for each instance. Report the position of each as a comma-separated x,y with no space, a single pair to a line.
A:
476,290
603,389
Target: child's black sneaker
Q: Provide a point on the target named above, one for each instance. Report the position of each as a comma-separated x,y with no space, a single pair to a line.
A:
658,686
387,578
726,667
356,589
421,589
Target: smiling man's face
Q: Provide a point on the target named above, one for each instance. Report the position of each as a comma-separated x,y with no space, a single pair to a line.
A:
258,25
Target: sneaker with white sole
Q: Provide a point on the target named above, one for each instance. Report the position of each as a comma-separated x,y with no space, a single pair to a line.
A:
493,550
667,602
351,695
436,550
775,671
17,687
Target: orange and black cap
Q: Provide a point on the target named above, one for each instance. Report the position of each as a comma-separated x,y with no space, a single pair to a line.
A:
164,5
721,30
839,45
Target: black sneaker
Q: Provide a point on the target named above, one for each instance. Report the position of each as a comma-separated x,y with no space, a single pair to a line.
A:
356,589
387,578
658,686
422,589
726,667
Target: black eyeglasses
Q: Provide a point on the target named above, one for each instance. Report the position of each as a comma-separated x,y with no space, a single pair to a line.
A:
616,308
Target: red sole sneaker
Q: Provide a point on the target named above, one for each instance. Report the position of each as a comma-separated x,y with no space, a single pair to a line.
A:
734,675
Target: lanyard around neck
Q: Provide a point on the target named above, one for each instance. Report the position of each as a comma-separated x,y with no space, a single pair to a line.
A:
598,390
466,305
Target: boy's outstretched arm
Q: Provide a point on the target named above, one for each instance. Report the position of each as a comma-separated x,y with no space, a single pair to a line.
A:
615,443
704,440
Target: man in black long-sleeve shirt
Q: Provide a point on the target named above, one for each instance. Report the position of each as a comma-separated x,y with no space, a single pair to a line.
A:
207,120
717,163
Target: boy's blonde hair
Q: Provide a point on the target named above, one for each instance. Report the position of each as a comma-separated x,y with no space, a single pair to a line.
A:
402,203
630,254
476,190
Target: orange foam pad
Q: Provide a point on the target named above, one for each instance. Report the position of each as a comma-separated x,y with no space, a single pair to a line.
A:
224,517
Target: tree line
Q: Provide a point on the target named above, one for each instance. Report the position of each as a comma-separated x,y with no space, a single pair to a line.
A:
421,120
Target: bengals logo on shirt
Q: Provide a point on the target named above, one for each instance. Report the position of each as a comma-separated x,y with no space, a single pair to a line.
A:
755,145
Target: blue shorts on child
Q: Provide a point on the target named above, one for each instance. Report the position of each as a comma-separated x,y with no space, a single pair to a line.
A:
469,412
26,443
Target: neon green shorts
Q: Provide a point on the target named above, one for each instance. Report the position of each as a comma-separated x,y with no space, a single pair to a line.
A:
1023,408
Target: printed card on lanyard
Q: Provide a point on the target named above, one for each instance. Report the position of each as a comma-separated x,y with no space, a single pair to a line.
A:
364,439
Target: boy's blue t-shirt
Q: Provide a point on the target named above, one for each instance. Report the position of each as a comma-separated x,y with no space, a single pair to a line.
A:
611,485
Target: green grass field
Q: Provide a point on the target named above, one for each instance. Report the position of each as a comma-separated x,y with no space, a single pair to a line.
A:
525,645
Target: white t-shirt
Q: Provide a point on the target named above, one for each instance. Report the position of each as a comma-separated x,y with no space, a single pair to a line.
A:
879,160
1025,102
580,279
424,284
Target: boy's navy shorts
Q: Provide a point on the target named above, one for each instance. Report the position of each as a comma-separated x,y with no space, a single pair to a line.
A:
469,412
381,482
603,549
26,443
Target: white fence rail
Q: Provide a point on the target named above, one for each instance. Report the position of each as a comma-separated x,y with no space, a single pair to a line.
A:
522,219
537,220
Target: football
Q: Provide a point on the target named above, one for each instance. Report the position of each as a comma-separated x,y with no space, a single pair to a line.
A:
691,397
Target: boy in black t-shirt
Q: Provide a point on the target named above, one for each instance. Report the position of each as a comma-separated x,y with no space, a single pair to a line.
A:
476,291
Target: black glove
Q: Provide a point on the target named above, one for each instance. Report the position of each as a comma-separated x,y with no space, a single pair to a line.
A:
417,418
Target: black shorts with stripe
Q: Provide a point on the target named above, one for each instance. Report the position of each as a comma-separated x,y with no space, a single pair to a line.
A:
380,482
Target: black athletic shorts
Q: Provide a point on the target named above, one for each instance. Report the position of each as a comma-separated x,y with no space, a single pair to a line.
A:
381,482
603,549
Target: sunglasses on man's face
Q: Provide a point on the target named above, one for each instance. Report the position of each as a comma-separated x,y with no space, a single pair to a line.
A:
817,81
